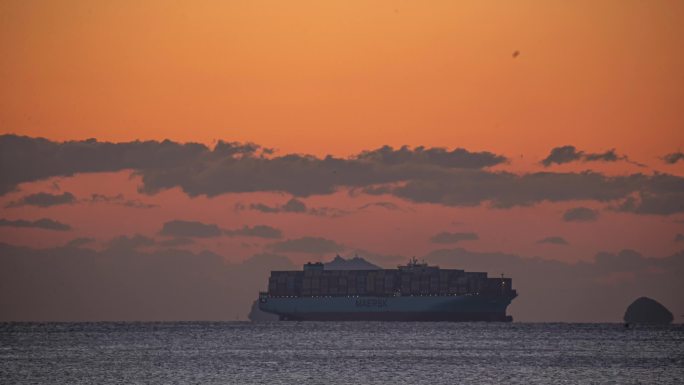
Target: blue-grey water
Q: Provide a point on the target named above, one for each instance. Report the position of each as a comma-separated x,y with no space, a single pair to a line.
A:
339,353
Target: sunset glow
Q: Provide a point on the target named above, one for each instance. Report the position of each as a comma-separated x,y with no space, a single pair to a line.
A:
322,87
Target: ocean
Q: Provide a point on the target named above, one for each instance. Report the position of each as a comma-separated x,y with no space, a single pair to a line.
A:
339,353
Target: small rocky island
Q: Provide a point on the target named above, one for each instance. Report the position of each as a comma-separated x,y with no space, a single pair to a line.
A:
647,310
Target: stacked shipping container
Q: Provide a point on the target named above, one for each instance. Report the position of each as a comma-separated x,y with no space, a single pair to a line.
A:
421,281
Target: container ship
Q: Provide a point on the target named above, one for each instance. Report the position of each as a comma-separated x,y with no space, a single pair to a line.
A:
412,292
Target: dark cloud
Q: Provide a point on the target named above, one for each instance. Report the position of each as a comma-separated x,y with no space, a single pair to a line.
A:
176,242
229,167
457,158
679,237
385,205
260,207
296,206
661,194
235,150
125,243
44,223
294,174
79,242
446,237
330,212
598,290
190,229
560,155
83,284
136,204
260,231
580,214
44,200
452,178
674,157
119,199
505,190
654,204
374,190
308,245
608,156
25,159
567,154
553,241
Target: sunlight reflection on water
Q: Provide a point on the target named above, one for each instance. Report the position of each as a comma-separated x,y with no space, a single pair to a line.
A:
339,353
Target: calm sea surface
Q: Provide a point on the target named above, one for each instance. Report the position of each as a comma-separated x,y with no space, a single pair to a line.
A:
339,353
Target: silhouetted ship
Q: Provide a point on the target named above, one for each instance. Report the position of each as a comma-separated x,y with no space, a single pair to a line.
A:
414,292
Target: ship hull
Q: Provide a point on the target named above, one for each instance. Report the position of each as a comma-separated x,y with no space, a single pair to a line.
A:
398,317
466,308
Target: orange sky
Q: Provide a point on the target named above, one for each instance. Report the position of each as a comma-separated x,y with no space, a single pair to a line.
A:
339,76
